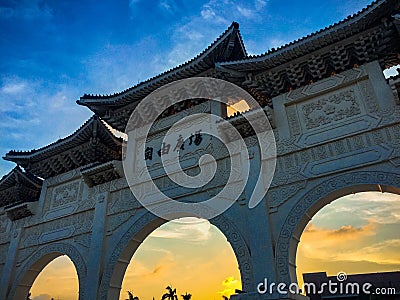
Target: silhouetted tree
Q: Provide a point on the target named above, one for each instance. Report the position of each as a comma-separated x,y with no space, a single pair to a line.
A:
187,296
225,297
131,296
171,294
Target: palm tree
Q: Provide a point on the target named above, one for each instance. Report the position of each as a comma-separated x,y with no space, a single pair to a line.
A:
171,294
187,296
131,296
225,297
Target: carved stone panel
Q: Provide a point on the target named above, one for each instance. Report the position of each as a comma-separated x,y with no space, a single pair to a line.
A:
65,194
58,229
5,227
330,109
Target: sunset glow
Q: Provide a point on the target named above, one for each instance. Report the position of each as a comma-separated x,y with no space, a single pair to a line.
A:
191,258
355,234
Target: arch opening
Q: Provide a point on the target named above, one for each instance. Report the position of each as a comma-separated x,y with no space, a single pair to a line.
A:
53,276
352,230
191,257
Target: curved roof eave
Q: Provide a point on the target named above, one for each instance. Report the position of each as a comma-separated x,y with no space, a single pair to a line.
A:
196,65
307,41
62,144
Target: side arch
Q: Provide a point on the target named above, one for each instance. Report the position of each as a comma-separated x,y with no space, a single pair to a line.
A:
117,262
319,196
35,264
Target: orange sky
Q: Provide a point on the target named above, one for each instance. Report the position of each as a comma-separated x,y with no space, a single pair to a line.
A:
192,258
355,234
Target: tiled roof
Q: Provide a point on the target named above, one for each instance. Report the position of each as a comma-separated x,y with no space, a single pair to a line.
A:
92,142
338,31
19,186
229,45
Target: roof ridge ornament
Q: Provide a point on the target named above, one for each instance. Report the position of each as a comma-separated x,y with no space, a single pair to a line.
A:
49,161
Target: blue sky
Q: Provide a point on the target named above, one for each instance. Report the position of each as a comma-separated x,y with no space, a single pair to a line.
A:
52,52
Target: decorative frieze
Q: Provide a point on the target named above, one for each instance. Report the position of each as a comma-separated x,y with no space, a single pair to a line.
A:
58,229
329,110
366,148
279,195
65,194
117,220
20,211
98,174
5,226
122,200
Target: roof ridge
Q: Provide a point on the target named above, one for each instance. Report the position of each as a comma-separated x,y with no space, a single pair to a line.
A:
234,27
27,175
62,141
365,10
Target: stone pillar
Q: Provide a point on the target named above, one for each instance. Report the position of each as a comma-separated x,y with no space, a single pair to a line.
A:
380,87
259,235
9,267
94,263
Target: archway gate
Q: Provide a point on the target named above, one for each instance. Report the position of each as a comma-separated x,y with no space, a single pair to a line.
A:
336,125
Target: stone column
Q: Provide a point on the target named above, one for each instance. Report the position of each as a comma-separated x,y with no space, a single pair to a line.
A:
259,234
9,267
94,263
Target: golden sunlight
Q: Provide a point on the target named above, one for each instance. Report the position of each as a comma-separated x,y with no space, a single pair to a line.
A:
58,281
355,234
240,107
191,258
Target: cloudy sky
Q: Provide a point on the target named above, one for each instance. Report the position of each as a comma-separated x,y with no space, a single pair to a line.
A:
354,234
55,51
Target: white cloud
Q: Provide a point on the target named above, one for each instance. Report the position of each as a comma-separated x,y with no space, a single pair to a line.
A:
391,71
260,4
133,2
277,42
26,9
209,13
34,114
117,67
246,12
192,230
42,297
13,88
165,5
360,209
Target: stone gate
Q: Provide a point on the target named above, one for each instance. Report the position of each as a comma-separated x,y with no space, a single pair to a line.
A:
336,124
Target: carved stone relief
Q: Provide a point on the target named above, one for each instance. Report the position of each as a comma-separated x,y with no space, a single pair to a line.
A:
58,229
122,200
65,194
329,110
369,147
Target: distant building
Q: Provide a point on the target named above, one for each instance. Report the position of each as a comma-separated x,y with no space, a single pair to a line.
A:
372,286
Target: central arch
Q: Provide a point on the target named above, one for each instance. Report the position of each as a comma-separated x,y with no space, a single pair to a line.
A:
118,260
319,196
